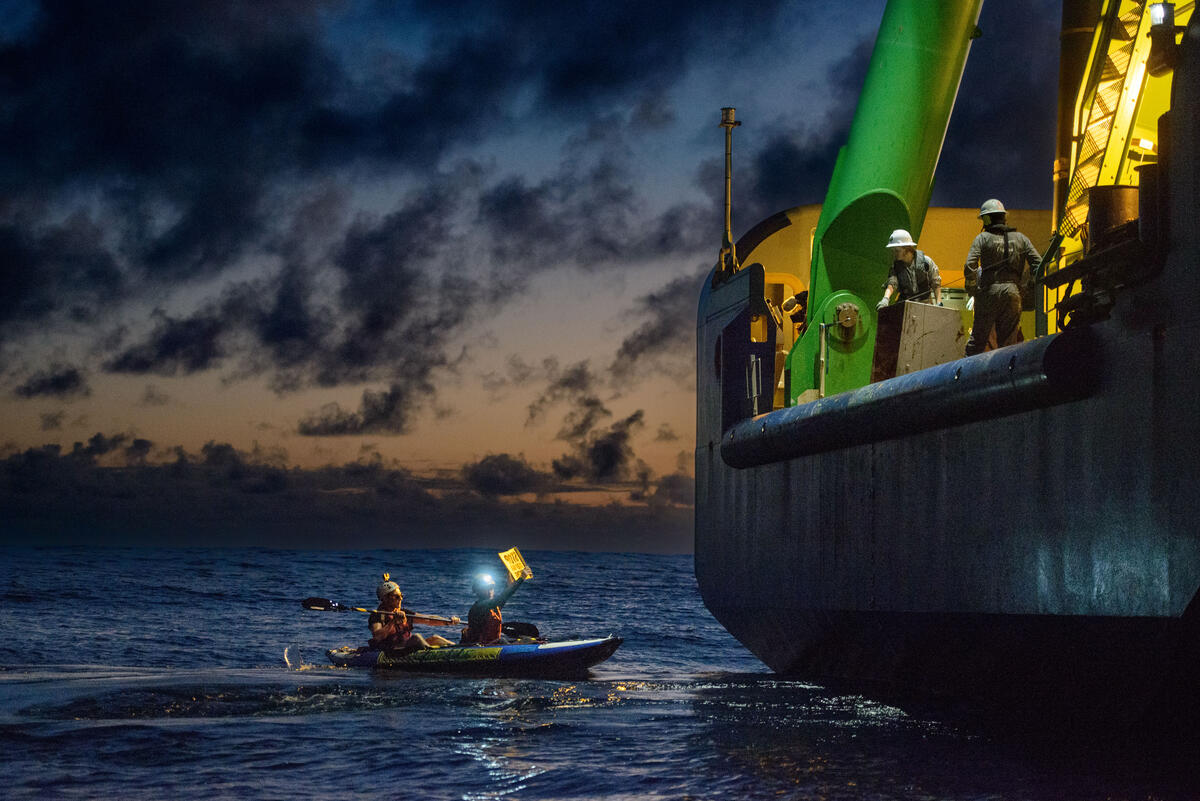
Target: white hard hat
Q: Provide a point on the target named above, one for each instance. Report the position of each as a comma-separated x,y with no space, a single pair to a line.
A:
991,207
901,239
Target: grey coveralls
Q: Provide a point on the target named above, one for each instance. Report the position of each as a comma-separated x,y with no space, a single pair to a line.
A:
995,265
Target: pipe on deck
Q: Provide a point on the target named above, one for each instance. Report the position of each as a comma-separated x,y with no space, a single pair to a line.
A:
1044,372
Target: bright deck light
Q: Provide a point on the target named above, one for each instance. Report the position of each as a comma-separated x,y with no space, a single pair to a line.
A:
1162,14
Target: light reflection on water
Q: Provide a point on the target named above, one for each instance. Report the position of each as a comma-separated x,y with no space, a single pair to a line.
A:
207,708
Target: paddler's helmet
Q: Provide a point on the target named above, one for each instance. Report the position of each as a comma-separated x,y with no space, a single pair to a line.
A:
482,583
991,207
901,239
386,587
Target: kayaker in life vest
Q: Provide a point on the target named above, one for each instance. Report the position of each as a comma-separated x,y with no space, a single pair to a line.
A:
390,626
484,620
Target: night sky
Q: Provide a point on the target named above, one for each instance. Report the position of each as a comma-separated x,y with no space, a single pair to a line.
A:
288,271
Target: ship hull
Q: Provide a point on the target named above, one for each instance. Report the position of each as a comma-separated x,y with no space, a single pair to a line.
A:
999,560
1037,556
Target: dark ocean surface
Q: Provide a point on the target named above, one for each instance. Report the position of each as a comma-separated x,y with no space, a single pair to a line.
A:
158,673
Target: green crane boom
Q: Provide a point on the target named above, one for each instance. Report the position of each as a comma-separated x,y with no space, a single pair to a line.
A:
882,181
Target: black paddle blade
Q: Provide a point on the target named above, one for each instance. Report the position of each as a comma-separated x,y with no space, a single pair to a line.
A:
517,629
323,605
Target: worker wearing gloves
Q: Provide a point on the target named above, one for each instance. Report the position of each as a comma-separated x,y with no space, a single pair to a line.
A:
913,276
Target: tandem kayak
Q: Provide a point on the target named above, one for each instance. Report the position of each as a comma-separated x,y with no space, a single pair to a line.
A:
565,658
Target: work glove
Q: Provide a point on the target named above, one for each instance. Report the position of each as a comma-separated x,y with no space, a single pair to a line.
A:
883,302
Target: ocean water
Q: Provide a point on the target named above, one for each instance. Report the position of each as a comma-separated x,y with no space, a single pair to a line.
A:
159,673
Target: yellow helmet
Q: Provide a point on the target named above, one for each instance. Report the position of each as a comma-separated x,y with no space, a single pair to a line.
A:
386,587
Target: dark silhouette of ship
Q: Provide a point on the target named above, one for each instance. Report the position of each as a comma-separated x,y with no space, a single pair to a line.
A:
1019,529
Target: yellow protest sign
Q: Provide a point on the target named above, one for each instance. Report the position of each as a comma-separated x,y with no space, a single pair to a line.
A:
514,563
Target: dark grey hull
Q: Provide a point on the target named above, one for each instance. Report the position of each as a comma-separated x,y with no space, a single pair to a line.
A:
982,559
1001,546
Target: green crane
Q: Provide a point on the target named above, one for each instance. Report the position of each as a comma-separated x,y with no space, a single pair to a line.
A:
882,180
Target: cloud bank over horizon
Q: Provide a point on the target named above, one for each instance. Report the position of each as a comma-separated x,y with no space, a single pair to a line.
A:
125,490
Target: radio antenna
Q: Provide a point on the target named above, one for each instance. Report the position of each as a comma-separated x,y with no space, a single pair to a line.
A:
728,255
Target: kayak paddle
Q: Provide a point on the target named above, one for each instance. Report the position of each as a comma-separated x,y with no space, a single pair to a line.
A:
513,629
518,629
325,605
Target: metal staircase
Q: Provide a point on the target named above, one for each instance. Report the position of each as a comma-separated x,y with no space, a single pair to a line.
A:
1107,107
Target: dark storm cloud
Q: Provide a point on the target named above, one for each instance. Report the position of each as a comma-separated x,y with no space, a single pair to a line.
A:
181,120
516,214
176,113
665,336
58,381
576,384
381,411
285,318
581,53
389,321
400,318
586,213
225,465
590,211
175,346
602,455
641,476
179,141
580,420
662,343
184,117
419,122
387,293
48,267
595,454
52,421
503,474
1000,142
99,445
653,111
792,166
137,451
152,88
665,433
226,497
676,488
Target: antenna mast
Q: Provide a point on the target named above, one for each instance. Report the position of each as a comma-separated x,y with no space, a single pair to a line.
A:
728,255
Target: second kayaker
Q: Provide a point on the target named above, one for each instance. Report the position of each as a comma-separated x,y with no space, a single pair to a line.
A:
484,621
